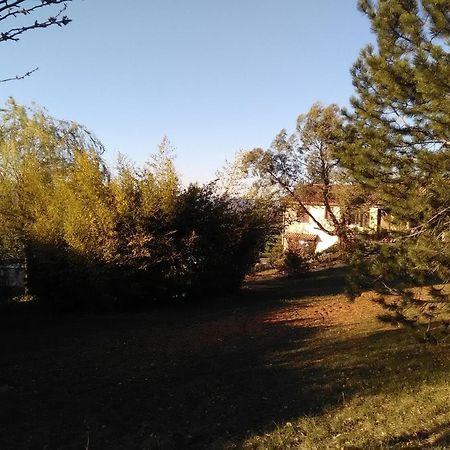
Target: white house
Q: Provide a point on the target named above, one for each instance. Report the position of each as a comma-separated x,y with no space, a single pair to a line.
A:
300,228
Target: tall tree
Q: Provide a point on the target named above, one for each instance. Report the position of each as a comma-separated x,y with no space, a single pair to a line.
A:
305,163
36,150
400,139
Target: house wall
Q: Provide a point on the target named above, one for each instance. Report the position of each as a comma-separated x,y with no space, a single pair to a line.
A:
307,226
373,218
319,213
324,239
386,224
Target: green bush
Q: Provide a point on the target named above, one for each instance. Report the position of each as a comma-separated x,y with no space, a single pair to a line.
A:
274,251
94,240
221,238
295,264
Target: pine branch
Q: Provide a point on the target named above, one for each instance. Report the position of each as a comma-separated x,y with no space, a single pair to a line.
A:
416,231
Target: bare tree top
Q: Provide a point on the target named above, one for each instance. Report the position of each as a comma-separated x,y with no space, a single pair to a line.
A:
20,16
12,9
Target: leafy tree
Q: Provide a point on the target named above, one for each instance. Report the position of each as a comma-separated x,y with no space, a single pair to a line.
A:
14,14
399,142
74,242
42,212
306,162
222,236
96,240
35,150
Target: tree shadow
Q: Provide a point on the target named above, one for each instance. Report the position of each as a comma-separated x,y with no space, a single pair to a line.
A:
331,281
186,377
442,432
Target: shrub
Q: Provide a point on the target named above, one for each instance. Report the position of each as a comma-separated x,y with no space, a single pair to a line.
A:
295,263
94,240
222,238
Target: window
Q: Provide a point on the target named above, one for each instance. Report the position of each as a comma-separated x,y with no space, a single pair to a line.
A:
359,218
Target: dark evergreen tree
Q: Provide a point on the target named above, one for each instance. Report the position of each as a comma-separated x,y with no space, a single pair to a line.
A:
400,145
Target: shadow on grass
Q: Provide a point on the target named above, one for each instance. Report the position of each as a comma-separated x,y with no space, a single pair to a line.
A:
259,293
186,377
134,386
319,283
442,441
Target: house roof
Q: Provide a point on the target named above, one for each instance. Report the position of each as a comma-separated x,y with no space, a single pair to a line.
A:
308,237
313,194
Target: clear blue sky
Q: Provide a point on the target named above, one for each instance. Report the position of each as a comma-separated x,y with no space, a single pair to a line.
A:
214,76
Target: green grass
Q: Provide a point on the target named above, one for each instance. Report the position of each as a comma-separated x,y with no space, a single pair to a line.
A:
394,393
284,364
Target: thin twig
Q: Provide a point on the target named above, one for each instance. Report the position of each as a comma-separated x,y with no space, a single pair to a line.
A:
20,77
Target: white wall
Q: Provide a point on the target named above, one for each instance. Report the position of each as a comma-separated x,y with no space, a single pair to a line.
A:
325,240
291,225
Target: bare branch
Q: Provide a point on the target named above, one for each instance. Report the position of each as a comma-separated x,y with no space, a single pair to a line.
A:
416,231
20,77
5,5
27,11
12,9
58,19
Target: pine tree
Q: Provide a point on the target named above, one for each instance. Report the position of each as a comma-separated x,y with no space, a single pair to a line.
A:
399,145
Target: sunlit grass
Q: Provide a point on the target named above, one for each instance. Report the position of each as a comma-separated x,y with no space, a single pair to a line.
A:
386,389
409,415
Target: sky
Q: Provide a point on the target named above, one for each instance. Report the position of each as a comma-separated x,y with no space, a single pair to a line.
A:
213,76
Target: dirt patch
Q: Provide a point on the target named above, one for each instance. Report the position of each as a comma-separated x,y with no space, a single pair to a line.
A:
336,311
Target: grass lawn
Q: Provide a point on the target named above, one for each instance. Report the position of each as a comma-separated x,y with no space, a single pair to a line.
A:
284,364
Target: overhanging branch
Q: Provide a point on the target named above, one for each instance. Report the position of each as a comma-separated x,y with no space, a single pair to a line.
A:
20,77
